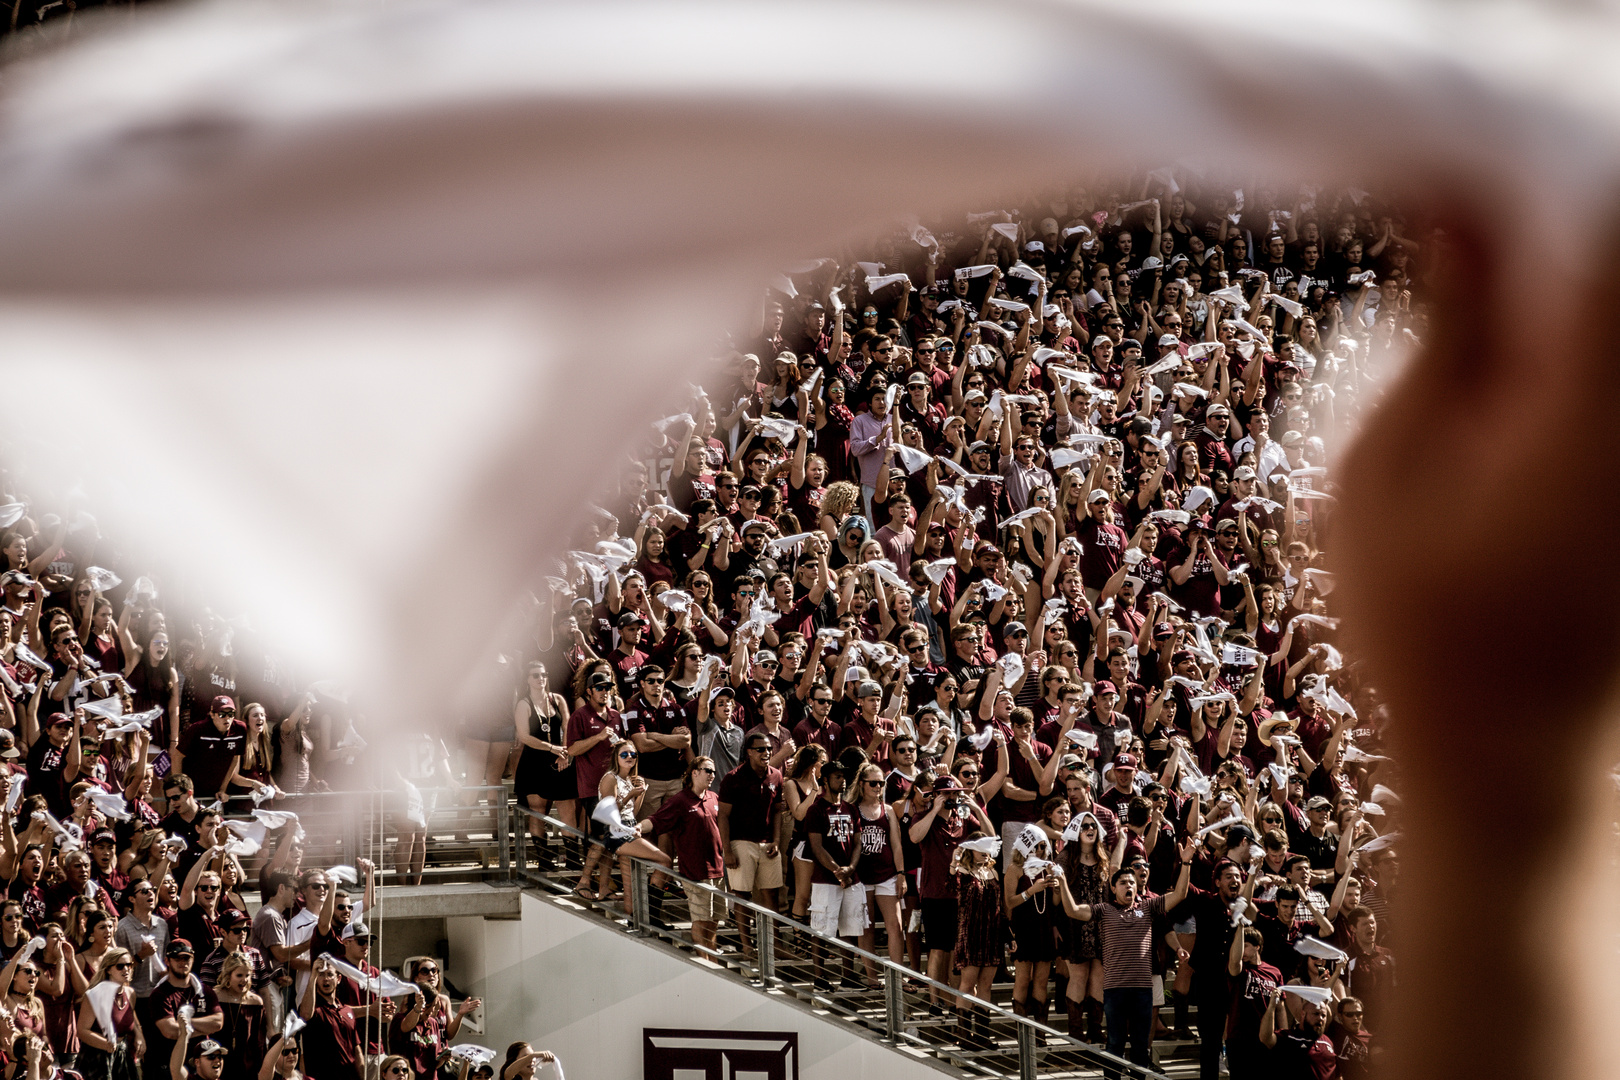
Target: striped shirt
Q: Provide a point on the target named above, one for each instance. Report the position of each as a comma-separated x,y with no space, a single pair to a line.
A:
1127,938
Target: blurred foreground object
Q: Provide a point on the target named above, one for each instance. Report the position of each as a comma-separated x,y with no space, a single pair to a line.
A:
355,259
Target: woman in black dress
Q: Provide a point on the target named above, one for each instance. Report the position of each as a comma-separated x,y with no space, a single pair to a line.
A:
1032,911
545,780
1086,868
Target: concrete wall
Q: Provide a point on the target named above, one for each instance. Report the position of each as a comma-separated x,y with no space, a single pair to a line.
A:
570,985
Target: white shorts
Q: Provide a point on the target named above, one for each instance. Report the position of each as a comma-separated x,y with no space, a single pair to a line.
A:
886,888
837,911
1158,990
802,853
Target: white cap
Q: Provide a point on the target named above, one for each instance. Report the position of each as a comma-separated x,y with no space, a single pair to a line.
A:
1151,263
1098,495
1169,339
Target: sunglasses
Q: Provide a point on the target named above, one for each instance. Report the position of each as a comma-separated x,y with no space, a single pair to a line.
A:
705,769
629,755
125,965
427,971
873,783
207,888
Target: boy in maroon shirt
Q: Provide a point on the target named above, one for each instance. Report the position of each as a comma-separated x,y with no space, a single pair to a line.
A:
692,817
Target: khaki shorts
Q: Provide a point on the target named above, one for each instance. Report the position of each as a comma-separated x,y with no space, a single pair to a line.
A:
706,905
657,792
753,869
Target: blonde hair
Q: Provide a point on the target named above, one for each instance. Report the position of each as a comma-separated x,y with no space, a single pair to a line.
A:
840,499
105,964
236,961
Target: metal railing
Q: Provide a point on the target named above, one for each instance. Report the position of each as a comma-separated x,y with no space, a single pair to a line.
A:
469,832
898,1004
489,840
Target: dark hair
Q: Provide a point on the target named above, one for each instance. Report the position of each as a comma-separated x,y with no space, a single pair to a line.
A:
1138,811
1288,892
272,883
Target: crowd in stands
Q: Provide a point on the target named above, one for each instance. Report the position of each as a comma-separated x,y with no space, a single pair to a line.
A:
979,610
159,918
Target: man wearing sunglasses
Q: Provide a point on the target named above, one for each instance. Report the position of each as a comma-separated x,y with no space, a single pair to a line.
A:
233,930
178,987
356,941
211,752
146,936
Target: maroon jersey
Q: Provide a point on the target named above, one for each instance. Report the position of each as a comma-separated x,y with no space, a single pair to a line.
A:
836,823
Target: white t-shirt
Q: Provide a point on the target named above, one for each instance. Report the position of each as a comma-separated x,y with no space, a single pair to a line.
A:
300,928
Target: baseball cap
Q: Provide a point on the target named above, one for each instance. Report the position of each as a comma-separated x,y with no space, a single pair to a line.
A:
236,920
755,524
1289,438
179,947
1237,834
630,618
764,655
919,379
1224,522
1125,761
1169,339
1098,495
1151,263
103,834
1103,686
8,745
208,1048
354,930
1318,802
974,395
1243,473
1071,761
59,718
601,681
221,703
1014,624
979,447
868,688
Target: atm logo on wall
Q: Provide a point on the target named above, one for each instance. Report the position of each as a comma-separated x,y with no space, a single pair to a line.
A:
684,1054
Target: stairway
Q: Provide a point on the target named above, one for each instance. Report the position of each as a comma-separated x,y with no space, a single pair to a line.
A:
833,980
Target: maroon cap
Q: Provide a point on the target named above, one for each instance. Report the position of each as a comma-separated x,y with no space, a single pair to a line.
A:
1180,655
947,782
1163,630
221,703
1104,686
1125,761
59,718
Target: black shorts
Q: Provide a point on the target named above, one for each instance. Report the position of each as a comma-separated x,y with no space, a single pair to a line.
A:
939,924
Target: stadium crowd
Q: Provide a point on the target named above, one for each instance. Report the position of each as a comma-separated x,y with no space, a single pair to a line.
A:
979,610
160,917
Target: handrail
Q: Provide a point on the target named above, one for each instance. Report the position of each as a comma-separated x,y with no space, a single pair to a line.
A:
1030,1033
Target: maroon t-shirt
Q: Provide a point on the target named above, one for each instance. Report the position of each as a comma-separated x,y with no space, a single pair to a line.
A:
753,800
934,879
1102,546
666,763
1302,1055
1251,997
840,833
590,768
1200,593
1020,772
694,822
